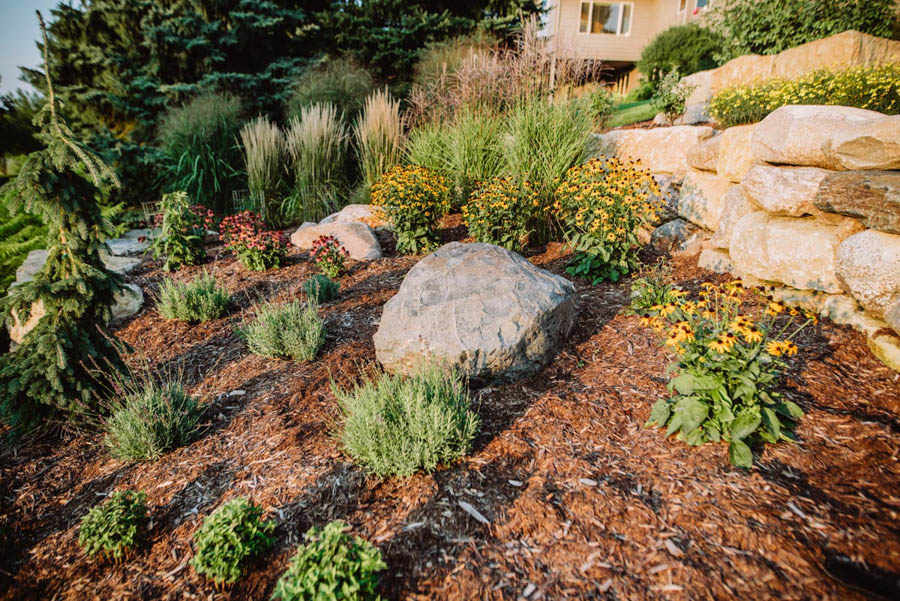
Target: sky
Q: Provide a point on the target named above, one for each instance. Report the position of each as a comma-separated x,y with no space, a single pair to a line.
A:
18,32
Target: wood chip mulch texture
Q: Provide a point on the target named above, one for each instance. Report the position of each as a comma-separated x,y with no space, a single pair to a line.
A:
581,501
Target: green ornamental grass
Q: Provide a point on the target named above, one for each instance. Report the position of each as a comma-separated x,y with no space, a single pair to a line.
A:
331,565
196,301
397,424
113,527
321,289
228,538
293,330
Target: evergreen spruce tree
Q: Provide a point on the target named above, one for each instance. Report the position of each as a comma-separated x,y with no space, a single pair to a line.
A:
55,370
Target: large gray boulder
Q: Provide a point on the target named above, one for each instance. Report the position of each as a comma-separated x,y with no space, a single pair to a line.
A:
357,237
477,307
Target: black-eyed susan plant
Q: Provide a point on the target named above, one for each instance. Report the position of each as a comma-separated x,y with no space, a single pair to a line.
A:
601,204
504,212
731,352
653,287
413,199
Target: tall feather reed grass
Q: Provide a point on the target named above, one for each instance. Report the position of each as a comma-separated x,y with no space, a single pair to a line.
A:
379,138
265,157
317,144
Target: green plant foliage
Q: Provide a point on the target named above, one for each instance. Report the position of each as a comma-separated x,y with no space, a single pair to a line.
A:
113,528
602,105
149,419
504,212
331,565
196,301
728,366
54,370
652,289
687,48
329,255
321,289
630,113
397,425
338,82
771,26
873,88
199,142
671,96
466,150
184,225
291,330
414,199
257,248
228,538
20,234
601,204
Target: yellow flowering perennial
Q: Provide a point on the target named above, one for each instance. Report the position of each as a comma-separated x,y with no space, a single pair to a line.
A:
414,199
503,212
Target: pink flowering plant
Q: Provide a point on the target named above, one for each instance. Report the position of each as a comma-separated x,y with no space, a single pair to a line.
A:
329,255
257,248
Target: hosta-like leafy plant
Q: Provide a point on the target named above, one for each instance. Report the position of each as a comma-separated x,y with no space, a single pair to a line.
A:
331,565
228,538
730,360
113,527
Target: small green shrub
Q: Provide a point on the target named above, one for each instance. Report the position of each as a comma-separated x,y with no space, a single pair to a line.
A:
872,88
336,81
257,248
196,301
113,527
150,419
200,149
687,48
413,199
504,212
228,538
397,425
602,105
331,565
292,330
671,96
183,229
321,289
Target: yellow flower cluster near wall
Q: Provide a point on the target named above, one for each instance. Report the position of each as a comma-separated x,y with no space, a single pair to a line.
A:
872,88
413,199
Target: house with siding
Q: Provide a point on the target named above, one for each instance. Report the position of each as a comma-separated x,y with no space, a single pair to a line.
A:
616,32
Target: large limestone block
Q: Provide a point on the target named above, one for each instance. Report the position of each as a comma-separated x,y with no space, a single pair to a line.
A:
701,84
661,150
478,307
734,207
796,134
797,252
704,155
127,302
715,260
702,198
868,264
358,238
872,197
784,190
873,144
847,49
666,202
892,316
735,157
673,236
35,260
742,71
362,213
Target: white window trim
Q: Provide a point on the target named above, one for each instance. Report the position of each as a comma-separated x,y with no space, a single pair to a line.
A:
618,25
697,6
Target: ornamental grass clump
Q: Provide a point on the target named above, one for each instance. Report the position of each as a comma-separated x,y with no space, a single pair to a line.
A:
113,528
504,212
149,419
331,564
293,330
196,301
265,156
257,248
379,137
872,88
396,425
600,205
229,537
321,289
414,199
730,356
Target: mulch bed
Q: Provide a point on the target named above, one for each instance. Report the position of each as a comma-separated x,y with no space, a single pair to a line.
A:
582,501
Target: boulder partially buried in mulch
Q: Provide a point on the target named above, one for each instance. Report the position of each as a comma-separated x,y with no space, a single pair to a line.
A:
477,307
358,238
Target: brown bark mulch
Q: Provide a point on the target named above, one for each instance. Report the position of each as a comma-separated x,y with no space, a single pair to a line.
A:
581,501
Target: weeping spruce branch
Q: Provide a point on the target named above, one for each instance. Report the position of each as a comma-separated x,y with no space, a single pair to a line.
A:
55,372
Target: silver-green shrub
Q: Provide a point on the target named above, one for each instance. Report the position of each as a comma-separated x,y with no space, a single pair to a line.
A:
196,301
293,330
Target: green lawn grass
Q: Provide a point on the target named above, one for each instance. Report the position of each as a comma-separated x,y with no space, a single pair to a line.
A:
632,112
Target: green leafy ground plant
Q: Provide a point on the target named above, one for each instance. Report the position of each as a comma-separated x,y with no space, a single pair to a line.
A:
293,330
230,537
183,229
331,565
321,289
396,425
196,301
653,288
113,528
729,362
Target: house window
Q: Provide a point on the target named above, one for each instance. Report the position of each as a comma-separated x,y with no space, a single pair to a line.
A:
702,4
612,18
682,5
